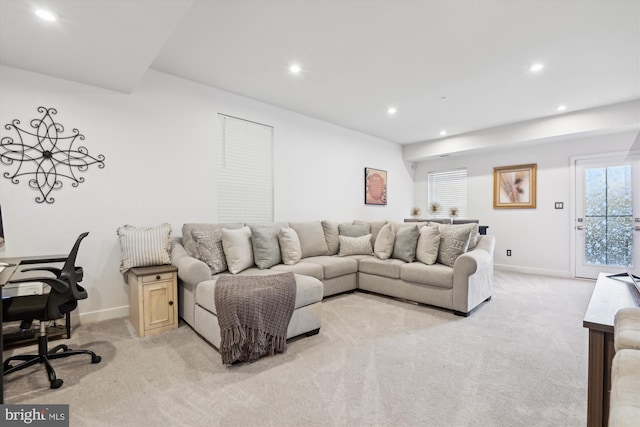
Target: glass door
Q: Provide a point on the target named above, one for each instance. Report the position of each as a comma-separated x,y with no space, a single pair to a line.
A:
607,215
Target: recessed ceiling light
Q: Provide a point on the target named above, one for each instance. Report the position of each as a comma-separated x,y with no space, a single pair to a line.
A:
392,110
295,69
46,15
561,107
536,67
443,133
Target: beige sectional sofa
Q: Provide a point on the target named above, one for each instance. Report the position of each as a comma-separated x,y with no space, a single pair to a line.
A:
332,258
624,399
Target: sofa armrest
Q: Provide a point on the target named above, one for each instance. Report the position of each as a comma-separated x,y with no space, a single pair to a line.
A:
191,271
473,275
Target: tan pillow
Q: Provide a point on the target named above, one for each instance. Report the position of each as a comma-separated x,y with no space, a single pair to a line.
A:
383,247
142,246
289,246
428,244
237,249
312,240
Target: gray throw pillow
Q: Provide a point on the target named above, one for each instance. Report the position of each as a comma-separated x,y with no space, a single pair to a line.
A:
354,230
404,247
355,245
454,241
266,249
428,245
209,249
331,236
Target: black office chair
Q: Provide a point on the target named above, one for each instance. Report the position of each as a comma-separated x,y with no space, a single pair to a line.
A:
62,298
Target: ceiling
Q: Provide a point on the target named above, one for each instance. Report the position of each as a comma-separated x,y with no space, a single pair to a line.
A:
457,66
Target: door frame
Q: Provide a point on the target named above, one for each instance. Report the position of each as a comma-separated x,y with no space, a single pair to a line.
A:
572,171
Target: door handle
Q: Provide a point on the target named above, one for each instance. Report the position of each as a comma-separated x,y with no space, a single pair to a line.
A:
580,227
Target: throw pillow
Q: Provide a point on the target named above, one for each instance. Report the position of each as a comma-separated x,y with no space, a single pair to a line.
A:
266,249
376,226
237,249
454,241
354,230
331,236
209,249
187,238
383,247
142,246
404,247
311,235
355,245
289,246
428,244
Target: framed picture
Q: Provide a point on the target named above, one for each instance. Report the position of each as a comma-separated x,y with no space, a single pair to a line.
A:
514,186
375,186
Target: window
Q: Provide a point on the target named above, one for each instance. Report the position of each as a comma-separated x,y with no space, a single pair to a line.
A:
245,171
447,189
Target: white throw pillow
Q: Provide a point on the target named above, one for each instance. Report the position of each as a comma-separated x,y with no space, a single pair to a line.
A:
428,244
237,249
289,246
383,247
355,245
143,246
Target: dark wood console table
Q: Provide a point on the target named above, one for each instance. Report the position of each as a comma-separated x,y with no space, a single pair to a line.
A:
609,296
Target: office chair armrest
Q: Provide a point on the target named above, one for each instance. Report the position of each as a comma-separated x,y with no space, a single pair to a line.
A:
54,270
56,284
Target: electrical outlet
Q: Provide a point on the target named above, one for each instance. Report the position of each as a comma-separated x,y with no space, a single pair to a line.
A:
508,252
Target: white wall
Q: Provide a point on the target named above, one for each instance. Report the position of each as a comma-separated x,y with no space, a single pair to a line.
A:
540,239
160,149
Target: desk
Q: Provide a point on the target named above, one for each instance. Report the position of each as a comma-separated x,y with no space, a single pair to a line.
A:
609,296
6,274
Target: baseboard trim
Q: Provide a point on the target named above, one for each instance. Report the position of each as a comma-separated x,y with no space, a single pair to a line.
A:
530,270
100,315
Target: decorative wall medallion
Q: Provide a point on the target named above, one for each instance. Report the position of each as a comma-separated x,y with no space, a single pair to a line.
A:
45,155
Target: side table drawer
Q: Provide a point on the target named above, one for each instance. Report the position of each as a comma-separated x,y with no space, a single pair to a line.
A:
157,277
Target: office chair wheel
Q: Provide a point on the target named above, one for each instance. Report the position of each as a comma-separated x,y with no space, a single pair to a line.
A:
57,383
96,359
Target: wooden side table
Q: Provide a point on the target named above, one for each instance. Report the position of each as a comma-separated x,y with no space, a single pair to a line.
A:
153,306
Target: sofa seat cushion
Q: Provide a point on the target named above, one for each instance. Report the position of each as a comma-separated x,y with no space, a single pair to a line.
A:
625,386
381,267
308,291
433,275
306,268
626,329
333,266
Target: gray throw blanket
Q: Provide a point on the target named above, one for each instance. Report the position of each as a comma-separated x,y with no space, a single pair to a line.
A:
254,314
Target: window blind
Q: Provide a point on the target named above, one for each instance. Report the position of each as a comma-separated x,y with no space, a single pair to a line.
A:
245,171
449,190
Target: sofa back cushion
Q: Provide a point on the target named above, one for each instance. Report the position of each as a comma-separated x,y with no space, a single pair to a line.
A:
383,247
311,235
376,226
237,249
187,238
354,230
404,247
289,246
266,247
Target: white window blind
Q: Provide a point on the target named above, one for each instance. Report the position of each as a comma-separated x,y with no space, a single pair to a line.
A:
449,190
245,171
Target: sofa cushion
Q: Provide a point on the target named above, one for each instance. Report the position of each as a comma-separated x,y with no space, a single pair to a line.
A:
354,230
625,384
187,238
266,248
290,250
209,249
237,249
331,234
306,268
385,268
334,266
428,245
454,241
383,247
404,247
308,291
311,235
355,245
433,275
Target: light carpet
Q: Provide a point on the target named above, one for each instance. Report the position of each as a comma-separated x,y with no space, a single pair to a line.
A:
518,360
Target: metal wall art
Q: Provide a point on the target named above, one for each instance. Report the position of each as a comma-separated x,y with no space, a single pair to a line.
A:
45,155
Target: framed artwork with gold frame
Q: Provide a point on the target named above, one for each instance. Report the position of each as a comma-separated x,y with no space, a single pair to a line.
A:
514,186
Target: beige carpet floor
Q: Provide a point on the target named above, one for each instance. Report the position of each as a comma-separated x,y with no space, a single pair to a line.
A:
518,360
